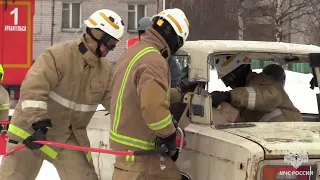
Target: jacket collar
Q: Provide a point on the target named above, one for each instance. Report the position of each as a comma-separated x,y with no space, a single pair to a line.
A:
85,47
153,38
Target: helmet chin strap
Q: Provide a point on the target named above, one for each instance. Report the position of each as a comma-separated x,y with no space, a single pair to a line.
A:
99,41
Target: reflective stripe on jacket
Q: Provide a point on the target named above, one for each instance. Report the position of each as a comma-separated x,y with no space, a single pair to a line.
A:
140,96
65,84
263,99
129,141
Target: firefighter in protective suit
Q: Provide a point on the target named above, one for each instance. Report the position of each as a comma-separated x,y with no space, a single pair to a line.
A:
4,100
58,97
140,116
258,96
175,71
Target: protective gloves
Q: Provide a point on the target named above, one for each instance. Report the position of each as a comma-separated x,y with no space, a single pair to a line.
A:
169,142
219,97
41,129
313,83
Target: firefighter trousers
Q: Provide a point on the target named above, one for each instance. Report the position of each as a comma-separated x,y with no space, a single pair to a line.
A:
152,168
25,164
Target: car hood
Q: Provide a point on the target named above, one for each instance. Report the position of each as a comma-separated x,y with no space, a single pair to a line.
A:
277,138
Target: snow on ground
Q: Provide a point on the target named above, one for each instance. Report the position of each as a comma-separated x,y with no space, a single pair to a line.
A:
297,87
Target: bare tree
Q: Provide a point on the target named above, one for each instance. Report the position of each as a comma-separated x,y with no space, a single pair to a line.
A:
280,14
235,11
313,31
241,25
248,12
288,11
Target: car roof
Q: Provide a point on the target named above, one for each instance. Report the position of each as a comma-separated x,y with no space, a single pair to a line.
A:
204,48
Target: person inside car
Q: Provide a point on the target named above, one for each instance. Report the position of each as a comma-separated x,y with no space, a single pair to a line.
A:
258,96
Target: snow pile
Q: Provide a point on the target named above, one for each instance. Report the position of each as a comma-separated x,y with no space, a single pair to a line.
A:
297,87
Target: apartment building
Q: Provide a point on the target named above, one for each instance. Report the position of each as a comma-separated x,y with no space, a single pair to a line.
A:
61,20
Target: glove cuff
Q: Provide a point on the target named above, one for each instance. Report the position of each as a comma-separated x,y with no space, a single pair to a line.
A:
42,125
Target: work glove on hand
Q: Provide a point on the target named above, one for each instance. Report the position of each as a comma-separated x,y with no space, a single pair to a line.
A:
219,97
169,142
313,83
41,129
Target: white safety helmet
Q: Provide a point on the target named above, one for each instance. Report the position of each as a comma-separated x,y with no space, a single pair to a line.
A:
177,20
107,21
225,64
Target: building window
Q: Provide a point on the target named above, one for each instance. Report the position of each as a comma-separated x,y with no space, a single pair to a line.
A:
71,15
135,13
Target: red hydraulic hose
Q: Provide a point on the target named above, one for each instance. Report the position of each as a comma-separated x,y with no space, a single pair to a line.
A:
156,151
85,149
160,150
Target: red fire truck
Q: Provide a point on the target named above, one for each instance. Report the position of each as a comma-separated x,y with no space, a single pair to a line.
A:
132,41
16,43
16,49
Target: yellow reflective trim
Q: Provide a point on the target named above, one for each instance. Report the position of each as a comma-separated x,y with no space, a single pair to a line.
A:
227,62
49,151
130,158
4,106
106,18
129,141
175,22
89,157
18,131
124,81
161,124
24,135
92,21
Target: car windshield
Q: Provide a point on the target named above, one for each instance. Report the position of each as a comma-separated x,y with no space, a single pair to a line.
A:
298,76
